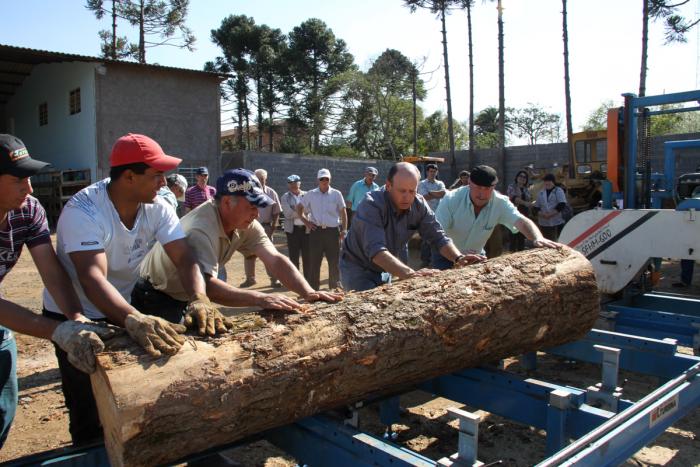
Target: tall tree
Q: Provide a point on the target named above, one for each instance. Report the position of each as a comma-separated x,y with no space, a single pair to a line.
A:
567,83
160,22
317,60
501,97
112,46
535,123
237,38
486,127
468,4
268,62
440,8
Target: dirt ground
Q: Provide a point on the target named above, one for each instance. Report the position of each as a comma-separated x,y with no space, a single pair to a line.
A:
41,422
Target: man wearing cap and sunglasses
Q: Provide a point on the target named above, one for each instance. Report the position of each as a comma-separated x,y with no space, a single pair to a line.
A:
323,212
215,231
23,222
294,228
103,234
359,189
469,215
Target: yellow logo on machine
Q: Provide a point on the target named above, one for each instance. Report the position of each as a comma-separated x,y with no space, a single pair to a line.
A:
18,154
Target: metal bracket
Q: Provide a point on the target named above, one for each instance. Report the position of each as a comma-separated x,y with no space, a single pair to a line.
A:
528,361
696,339
606,320
468,441
354,415
606,394
559,402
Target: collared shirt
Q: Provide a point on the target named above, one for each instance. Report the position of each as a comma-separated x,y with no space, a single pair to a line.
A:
210,245
324,209
25,226
196,195
357,192
89,222
377,227
426,186
469,231
547,203
289,203
267,214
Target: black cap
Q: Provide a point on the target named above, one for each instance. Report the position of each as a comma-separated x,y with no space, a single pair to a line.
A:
549,178
483,175
15,160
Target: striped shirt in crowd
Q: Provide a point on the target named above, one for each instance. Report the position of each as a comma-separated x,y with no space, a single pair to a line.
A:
25,226
195,195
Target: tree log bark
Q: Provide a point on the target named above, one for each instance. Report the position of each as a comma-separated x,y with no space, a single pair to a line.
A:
218,390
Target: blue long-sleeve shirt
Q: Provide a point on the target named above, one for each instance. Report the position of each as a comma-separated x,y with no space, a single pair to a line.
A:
377,226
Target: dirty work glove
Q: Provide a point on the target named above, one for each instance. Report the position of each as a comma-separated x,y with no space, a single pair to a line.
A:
156,335
81,340
206,317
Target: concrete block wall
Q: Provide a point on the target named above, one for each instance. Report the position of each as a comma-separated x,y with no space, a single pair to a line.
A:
344,172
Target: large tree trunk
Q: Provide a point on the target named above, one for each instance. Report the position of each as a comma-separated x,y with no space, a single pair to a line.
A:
374,342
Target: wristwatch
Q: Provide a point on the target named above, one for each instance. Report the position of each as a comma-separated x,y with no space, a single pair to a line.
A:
458,258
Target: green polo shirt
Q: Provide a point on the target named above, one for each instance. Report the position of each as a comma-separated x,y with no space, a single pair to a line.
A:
467,230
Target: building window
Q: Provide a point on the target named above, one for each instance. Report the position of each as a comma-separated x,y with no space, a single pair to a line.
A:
75,101
43,114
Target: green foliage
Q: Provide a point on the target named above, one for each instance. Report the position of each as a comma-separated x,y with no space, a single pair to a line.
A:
486,127
160,22
676,25
535,123
433,135
598,118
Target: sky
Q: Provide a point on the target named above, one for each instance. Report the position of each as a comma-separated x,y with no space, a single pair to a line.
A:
604,44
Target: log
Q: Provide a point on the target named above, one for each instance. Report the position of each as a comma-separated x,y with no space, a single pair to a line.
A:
285,367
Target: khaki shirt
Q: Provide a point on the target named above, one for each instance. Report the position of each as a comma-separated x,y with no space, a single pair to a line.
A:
211,247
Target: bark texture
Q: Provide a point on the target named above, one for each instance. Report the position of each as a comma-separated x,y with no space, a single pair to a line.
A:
282,368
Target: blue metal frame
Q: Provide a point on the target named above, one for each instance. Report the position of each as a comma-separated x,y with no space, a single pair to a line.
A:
632,106
670,148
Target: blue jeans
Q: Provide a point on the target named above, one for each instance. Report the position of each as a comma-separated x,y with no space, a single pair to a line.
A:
355,277
687,267
8,381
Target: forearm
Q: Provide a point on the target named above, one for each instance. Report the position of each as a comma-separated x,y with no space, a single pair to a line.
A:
528,228
24,321
220,292
344,219
450,251
287,274
63,293
391,264
107,299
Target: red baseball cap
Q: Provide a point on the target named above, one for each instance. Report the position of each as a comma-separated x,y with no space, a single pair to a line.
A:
133,148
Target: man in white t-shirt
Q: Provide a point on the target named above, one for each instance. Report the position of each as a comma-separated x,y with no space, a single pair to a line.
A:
322,210
103,234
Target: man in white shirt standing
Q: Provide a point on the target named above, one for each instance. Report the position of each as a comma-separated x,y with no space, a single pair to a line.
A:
102,236
323,212
432,190
294,228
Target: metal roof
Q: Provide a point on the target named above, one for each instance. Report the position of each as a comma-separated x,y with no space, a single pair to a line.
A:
16,63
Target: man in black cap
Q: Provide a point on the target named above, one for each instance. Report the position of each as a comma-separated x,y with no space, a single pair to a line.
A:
23,222
469,215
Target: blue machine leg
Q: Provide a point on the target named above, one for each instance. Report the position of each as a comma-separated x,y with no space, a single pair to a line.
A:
559,403
389,411
528,361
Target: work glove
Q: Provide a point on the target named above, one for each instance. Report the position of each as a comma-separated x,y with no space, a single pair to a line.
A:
81,340
206,317
156,335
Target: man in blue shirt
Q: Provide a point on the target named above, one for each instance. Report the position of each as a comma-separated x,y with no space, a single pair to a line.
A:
378,238
359,189
469,215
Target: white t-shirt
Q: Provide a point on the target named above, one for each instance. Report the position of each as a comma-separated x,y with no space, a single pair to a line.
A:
89,221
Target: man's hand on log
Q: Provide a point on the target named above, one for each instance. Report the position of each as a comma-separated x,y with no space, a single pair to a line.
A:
467,259
330,297
546,243
208,320
81,340
422,273
278,302
156,335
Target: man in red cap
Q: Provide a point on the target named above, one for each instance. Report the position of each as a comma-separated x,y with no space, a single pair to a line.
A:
23,223
103,234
